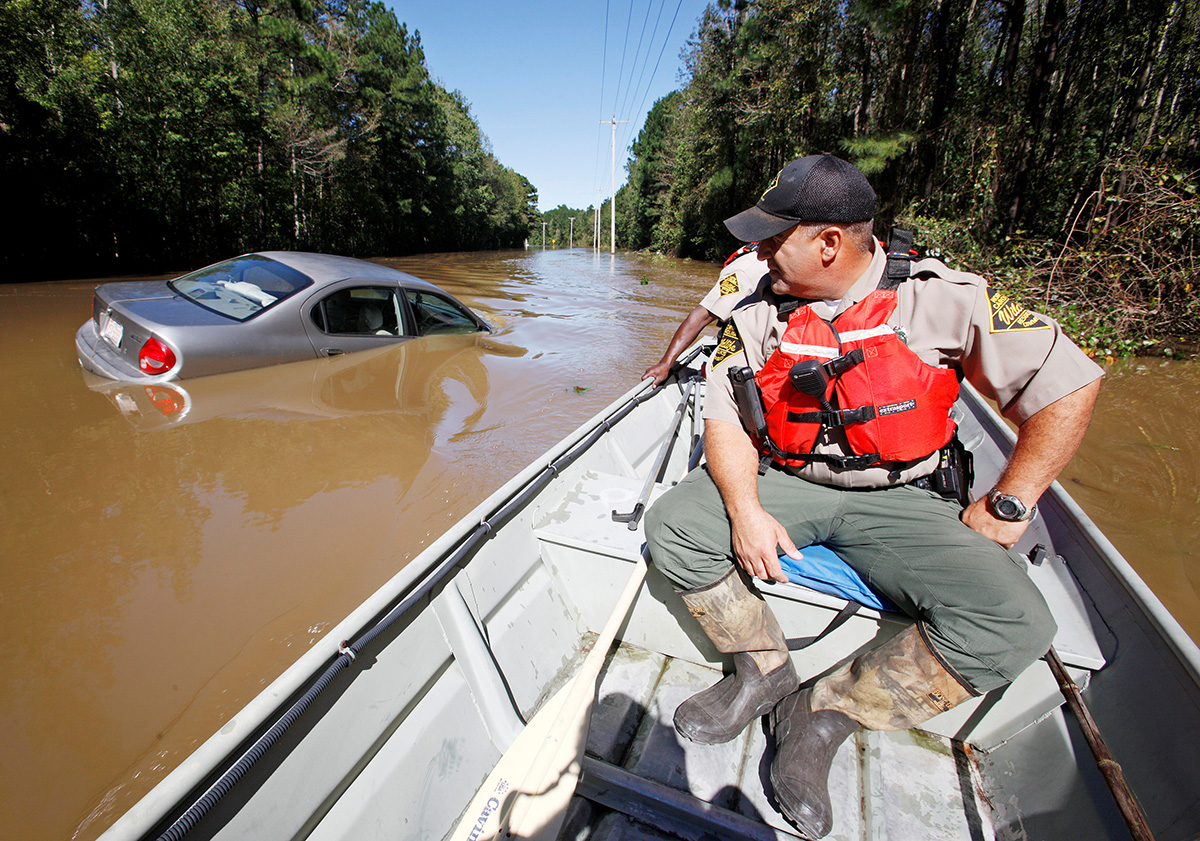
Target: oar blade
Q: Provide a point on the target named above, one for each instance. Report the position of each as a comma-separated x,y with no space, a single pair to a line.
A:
487,816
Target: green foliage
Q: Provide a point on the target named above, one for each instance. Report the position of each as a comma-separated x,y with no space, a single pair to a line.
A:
873,153
991,124
161,134
1128,283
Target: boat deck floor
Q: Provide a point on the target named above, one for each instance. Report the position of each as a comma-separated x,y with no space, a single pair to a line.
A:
641,780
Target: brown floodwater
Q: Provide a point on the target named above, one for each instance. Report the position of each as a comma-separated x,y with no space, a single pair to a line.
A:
167,552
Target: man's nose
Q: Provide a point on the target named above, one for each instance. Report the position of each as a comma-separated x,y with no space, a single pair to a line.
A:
764,249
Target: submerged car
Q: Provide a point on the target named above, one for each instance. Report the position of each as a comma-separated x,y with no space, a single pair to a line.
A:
257,310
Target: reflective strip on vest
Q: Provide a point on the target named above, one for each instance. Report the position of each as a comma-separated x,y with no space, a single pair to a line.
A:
870,333
809,350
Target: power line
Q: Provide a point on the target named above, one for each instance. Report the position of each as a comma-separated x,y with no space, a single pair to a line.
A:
637,53
603,65
650,47
624,88
666,40
624,47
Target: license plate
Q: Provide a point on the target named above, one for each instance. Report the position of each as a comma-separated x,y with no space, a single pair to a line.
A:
111,329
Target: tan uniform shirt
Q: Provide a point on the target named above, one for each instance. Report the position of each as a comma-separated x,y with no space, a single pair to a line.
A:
1018,358
738,279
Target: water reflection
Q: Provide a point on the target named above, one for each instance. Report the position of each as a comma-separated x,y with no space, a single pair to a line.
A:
403,378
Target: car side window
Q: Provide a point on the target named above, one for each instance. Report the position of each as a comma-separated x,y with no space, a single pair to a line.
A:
435,314
360,311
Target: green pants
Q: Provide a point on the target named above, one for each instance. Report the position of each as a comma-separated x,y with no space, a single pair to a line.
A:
979,610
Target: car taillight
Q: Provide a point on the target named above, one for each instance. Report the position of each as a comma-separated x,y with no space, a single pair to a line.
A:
155,357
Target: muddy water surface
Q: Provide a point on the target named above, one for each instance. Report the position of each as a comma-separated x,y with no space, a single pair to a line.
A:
165,553
1137,476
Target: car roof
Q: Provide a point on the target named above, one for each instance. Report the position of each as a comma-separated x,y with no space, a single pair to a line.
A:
325,268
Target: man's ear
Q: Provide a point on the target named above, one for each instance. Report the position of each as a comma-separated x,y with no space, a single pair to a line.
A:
832,239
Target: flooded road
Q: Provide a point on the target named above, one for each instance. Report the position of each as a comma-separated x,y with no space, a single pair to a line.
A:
168,551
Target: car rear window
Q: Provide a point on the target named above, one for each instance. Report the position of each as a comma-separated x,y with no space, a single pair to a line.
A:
241,288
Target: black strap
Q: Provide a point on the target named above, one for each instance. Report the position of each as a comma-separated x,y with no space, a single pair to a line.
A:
899,259
785,307
848,609
839,366
844,462
834,417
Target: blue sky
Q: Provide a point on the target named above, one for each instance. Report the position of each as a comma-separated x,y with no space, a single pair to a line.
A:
540,76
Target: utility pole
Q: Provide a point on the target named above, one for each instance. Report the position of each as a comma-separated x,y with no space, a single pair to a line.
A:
613,214
572,218
596,221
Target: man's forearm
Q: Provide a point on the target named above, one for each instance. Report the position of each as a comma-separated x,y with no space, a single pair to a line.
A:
1046,442
685,334
733,465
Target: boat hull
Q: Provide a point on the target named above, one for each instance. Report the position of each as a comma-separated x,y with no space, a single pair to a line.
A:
469,641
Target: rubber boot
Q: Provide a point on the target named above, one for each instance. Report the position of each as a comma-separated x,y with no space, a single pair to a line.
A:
897,686
738,622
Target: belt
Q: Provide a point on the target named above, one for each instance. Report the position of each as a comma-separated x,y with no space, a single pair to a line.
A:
925,483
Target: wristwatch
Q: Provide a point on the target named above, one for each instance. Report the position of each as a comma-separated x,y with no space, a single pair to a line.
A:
1008,507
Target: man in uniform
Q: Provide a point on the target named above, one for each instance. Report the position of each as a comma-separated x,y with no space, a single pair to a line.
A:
849,463
739,277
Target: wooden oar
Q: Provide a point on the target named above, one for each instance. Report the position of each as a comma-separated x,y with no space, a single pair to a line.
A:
1135,820
527,793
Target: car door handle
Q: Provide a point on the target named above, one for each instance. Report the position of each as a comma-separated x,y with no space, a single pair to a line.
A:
332,351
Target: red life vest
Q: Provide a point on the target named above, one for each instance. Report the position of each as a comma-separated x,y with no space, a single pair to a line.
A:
893,406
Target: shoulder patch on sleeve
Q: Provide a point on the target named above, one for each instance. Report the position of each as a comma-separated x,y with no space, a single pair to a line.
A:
1010,317
729,342
729,284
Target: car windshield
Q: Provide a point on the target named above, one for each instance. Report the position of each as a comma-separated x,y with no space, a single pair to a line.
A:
241,288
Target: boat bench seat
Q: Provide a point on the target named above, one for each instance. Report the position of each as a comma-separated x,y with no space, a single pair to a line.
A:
582,528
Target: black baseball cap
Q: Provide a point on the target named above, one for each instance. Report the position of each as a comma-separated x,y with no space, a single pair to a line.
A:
817,188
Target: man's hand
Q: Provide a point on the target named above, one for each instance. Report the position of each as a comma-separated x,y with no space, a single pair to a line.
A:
757,539
980,518
658,371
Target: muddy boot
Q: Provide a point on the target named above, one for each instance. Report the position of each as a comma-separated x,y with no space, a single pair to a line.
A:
738,622
805,744
897,686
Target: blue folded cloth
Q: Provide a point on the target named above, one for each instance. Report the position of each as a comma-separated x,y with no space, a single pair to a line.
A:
822,570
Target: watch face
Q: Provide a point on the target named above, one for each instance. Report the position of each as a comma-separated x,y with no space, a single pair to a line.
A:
1007,508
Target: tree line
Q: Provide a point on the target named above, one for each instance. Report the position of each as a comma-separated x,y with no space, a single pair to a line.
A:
1052,142
152,135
